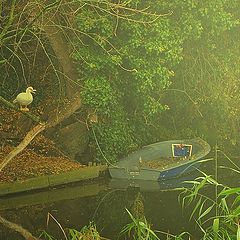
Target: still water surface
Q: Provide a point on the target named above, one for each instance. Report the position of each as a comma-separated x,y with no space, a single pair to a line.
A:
104,202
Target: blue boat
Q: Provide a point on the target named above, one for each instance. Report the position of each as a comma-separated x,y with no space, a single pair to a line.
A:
162,160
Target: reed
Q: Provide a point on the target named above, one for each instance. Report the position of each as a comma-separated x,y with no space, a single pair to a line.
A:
88,232
138,229
218,214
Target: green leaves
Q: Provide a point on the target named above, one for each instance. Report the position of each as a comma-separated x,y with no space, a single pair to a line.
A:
98,94
123,64
215,227
87,232
139,229
238,231
127,58
230,191
223,210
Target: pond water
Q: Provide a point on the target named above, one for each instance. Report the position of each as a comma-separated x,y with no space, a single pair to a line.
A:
104,202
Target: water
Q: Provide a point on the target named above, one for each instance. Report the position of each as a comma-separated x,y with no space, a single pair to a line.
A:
104,202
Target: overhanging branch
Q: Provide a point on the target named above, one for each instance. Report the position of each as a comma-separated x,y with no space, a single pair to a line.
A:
17,228
14,107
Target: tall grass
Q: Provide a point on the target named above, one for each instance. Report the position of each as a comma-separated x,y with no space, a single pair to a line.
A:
88,232
218,214
140,229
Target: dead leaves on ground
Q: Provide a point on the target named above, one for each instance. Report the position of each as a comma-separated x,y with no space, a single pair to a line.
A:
41,157
29,164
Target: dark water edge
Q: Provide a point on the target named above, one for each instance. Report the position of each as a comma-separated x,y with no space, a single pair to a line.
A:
105,204
107,209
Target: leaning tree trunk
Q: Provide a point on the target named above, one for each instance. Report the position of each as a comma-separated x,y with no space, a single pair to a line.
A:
52,24
48,22
66,110
29,137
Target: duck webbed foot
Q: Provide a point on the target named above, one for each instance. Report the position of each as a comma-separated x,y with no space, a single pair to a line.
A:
24,109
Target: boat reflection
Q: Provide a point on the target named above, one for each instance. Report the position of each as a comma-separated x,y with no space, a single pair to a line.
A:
146,185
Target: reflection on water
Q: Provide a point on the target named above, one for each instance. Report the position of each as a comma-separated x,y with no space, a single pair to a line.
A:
103,202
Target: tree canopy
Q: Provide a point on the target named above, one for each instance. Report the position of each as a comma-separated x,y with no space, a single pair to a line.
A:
127,64
149,70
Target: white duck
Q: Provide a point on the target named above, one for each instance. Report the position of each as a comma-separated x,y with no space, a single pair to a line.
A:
25,98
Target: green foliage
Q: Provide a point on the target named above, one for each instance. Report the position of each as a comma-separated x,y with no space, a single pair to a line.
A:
98,94
223,211
208,73
128,53
139,229
87,232
128,57
125,66
114,136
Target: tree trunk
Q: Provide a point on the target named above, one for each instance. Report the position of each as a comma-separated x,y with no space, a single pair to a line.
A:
60,46
56,117
51,23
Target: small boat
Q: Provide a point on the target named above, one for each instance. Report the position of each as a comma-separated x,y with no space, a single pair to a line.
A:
162,160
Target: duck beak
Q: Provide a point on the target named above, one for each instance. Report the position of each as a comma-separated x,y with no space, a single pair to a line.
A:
34,91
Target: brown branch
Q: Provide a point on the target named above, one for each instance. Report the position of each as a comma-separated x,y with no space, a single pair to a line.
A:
17,228
28,138
14,107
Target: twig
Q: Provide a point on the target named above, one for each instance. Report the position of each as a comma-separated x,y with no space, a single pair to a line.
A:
56,221
10,20
17,228
190,98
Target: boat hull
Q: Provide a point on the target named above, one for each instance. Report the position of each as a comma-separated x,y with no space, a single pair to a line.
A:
153,175
129,168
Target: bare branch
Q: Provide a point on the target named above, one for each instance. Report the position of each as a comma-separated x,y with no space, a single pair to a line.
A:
17,228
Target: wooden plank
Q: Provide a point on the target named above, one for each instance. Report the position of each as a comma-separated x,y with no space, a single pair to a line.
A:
74,176
26,185
50,180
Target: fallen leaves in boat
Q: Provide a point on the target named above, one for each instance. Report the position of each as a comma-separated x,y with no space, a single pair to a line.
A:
162,163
